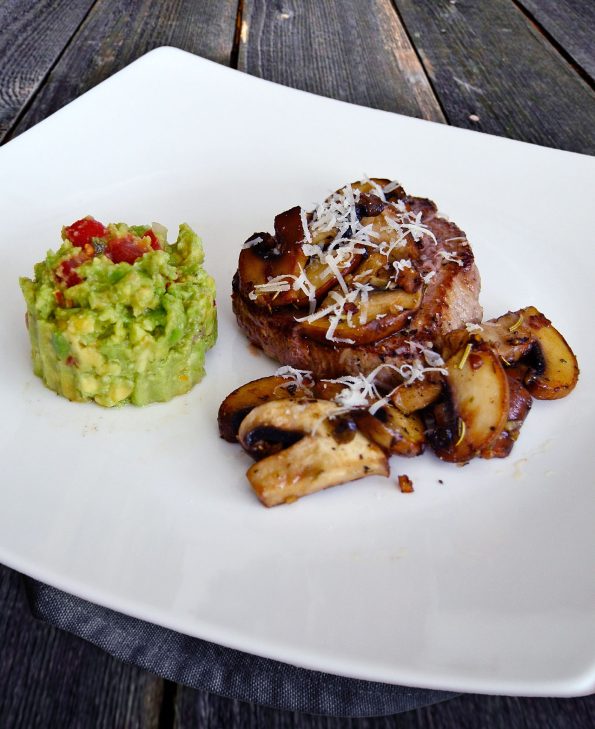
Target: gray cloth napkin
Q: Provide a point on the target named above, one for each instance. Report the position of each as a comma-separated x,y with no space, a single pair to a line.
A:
224,671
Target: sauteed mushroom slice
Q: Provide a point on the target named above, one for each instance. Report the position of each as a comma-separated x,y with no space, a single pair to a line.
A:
385,312
320,278
304,449
373,270
254,263
528,343
370,186
240,402
509,335
416,396
265,257
553,366
327,389
289,229
475,409
395,432
518,409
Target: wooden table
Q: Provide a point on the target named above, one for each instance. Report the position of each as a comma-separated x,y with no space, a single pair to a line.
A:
522,69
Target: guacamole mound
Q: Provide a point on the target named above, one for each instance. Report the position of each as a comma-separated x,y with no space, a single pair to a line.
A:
118,315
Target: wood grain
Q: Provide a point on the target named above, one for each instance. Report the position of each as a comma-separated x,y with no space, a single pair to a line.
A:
493,71
52,679
571,23
348,50
117,32
32,37
480,59
197,709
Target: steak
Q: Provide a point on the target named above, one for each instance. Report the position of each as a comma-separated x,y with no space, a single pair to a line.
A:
372,276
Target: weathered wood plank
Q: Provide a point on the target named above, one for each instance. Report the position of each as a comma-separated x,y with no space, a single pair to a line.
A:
32,37
117,32
493,71
571,23
49,678
347,50
197,709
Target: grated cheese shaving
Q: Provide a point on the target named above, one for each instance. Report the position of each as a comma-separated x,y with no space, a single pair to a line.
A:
274,285
252,242
305,228
360,391
450,257
417,229
416,371
363,289
331,262
378,190
303,283
390,187
309,249
291,373
402,264
336,310
431,357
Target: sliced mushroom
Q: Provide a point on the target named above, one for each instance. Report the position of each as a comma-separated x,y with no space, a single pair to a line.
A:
255,262
289,229
272,257
553,366
395,432
527,341
373,271
476,406
321,279
518,409
369,205
368,186
510,335
240,402
326,389
385,312
322,451
416,396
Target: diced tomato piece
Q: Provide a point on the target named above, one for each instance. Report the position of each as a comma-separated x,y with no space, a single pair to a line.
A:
82,232
155,245
66,270
126,249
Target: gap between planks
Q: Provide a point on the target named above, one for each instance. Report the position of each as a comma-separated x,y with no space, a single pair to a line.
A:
552,40
31,100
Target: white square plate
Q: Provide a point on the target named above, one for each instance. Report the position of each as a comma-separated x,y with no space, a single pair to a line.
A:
482,583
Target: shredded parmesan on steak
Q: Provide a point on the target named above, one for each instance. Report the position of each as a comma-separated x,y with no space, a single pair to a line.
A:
291,373
336,310
334,235
252,242
450,257
275,285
